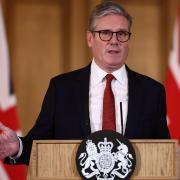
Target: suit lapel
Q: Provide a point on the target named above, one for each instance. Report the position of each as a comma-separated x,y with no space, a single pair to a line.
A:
134,104
83,99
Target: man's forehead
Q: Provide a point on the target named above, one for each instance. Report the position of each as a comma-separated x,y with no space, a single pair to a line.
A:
112,22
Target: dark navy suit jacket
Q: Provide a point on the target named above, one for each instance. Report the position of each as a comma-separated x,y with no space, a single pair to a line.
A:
65,110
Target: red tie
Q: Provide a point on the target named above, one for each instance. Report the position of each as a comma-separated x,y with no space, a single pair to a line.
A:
109,122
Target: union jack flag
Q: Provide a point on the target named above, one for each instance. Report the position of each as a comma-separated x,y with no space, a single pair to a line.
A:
8,114
173,83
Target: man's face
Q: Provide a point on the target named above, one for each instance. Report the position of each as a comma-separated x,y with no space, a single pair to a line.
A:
109,55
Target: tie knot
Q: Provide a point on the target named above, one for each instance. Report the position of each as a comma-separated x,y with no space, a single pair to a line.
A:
109,77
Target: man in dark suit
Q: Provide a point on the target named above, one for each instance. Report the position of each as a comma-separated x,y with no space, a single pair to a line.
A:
73,105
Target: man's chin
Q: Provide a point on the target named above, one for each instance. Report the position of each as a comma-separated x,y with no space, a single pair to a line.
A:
113,67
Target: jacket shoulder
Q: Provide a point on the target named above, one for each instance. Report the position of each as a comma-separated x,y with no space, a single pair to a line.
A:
73,75
143,80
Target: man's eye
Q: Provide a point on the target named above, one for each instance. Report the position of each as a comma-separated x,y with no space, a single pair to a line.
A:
105,32
122,33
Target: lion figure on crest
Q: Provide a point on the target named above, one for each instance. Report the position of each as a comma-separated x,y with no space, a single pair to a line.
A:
92,156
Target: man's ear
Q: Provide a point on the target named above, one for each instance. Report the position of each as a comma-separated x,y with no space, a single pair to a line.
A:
90,38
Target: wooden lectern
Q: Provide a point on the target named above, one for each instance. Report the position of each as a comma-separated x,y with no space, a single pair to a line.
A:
55,159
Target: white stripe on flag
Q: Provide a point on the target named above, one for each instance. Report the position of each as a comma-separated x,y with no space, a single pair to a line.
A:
3,174
6,101
174,55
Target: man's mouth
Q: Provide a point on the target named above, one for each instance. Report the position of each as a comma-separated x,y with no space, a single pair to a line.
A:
113,52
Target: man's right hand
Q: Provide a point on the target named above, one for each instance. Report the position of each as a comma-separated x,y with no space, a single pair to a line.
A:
9,142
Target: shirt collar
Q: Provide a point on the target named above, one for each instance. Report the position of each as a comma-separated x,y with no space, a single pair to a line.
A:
121,75
97,74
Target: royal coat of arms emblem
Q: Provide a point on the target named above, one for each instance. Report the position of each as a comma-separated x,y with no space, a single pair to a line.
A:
104,156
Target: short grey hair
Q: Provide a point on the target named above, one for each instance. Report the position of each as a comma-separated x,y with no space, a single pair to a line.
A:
107,8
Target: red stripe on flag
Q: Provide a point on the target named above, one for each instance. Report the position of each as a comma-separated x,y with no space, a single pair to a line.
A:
173,104
9,118
16,172
178,19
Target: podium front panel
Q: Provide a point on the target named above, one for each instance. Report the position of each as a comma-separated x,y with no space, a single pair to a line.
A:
55,159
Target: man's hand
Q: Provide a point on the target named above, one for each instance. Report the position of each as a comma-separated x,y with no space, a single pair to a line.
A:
9,142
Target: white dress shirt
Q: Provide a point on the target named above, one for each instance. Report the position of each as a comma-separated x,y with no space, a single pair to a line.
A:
96,91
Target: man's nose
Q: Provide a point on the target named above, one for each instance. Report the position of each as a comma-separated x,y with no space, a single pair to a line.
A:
114,38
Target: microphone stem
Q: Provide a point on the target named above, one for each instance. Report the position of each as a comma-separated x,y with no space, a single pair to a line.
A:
121,114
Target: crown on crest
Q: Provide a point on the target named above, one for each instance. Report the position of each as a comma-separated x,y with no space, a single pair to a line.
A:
105,146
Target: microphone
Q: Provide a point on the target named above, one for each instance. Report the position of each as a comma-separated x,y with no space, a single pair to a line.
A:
121,114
